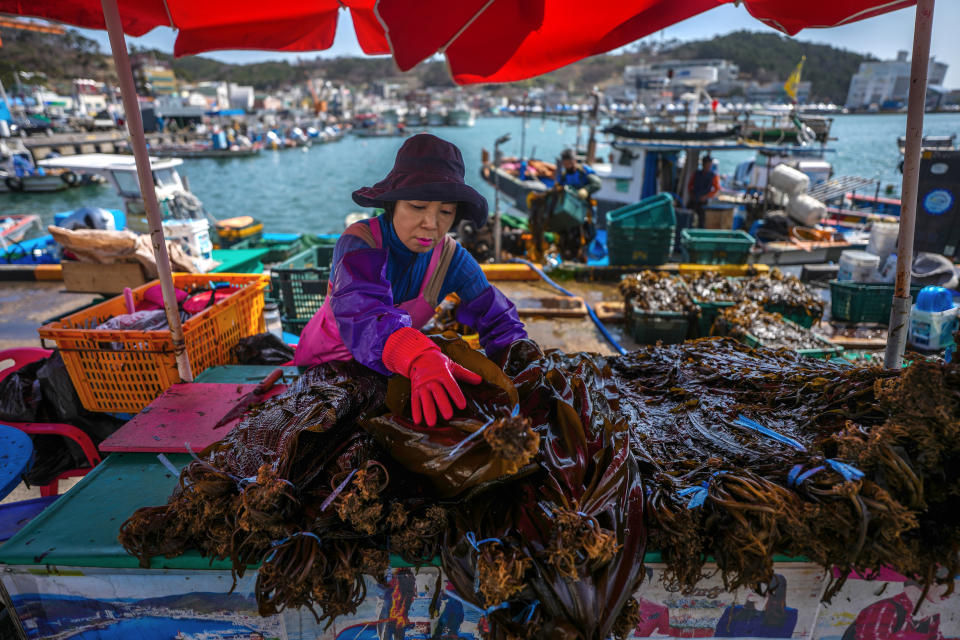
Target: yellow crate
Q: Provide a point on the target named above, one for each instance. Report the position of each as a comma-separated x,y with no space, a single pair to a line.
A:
124,371
495,272
729,270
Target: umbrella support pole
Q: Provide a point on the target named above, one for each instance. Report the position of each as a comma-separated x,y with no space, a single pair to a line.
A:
900,310
138,142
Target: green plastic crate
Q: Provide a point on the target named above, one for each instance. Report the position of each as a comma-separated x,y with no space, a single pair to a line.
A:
650,327
640,247
796,315
863,301
278,250
568,211
299,285
655,211
717,246
642,233
829,350
293,326
708,313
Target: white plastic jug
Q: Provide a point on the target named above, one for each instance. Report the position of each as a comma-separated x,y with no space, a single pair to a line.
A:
806,210
789,180
858,266
883,239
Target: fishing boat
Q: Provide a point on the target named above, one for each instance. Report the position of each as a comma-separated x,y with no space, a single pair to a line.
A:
18,173
15,227
461,116
206,152
183,214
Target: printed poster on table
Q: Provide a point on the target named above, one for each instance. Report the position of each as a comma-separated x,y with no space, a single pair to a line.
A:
112,604
887,609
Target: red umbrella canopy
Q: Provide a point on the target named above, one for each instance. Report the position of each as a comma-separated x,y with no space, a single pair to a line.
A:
508,40
790,16
209,25
483,40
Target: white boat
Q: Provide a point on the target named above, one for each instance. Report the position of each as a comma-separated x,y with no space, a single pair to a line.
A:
461,117
436,119
18,173
184,217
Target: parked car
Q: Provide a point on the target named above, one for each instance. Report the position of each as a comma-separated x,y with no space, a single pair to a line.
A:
30,126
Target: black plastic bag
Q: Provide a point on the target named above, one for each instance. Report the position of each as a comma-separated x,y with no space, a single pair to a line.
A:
20,397
263,348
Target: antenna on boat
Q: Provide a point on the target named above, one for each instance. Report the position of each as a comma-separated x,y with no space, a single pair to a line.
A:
496,195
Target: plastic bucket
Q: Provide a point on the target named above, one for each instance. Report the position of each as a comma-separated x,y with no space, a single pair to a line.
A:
857,266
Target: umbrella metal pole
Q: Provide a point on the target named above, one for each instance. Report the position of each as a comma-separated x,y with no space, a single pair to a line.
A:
131,107
900,310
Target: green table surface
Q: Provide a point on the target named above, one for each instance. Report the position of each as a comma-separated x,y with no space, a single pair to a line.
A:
80,529
240,260
245,373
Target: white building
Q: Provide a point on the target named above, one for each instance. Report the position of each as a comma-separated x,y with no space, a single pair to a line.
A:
886,83
683,75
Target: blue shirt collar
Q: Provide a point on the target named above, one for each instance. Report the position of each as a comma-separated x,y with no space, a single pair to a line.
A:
392,242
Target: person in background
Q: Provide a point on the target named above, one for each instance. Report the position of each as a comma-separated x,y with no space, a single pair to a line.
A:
761,616
390,272
579,177
704,184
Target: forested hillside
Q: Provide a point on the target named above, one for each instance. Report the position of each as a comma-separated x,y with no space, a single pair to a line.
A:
760,56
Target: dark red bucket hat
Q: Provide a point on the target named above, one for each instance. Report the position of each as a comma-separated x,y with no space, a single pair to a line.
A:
426,168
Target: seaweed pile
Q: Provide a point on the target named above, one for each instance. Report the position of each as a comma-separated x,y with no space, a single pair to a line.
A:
775,291
710,286
657,291
543,494
781,291
749,319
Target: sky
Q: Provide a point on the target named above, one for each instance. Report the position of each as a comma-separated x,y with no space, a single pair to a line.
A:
881,36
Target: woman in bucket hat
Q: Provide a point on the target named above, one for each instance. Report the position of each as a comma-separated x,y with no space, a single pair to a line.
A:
389,273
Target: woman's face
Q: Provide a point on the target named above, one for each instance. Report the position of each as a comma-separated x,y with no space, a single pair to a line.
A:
421,224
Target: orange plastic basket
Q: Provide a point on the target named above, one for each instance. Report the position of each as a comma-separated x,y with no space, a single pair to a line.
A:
123,371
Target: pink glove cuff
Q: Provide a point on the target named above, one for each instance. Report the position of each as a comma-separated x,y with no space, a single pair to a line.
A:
403,347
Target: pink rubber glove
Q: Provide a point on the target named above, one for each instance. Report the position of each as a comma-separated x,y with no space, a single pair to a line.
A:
433,376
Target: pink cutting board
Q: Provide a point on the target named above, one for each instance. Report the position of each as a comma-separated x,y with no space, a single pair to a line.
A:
182,416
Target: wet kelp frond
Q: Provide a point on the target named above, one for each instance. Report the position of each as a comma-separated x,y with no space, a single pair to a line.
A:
542,496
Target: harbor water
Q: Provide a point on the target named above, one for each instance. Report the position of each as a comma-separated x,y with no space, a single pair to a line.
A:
308,190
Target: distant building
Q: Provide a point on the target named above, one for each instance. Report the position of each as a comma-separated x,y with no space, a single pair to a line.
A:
240,96
668,79
886,84
773,92
215,94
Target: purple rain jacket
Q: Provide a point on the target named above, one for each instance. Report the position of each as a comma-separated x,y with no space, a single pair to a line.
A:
367,283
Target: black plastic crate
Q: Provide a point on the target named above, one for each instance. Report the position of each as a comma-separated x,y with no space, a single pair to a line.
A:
299,285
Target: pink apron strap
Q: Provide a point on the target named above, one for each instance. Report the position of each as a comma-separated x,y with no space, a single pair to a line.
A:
364,232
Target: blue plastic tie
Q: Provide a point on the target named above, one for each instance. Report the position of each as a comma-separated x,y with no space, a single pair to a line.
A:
795,478
516,410
529,610
277,543
698,495
502,605
336,492
165,461
849,472
471,537
470,437
744,421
